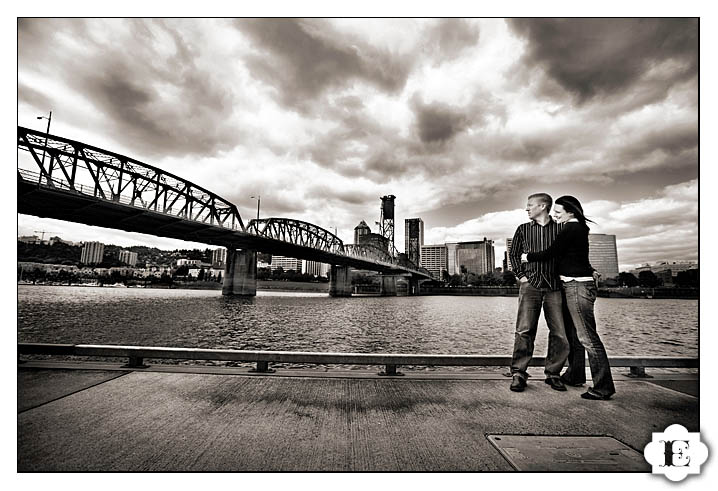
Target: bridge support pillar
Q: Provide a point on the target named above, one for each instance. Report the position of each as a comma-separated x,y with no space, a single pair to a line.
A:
388,286
413,286
340,284
240,273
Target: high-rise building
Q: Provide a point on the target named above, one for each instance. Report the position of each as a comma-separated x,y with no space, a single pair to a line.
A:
286,263
219,257
413,239
602,254
476,257
452,265
315,268
507,256
360,230
92,253
434,258
128,257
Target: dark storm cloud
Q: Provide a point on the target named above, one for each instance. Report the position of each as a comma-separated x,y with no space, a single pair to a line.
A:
595,57
359,145
125,78
304,58
438,123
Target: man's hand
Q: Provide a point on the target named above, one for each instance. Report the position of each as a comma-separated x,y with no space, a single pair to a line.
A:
596,276
524,258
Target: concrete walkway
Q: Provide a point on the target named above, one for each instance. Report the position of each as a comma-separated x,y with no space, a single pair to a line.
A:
180,418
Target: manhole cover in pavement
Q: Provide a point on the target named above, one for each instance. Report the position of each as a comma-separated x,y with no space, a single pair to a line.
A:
569,453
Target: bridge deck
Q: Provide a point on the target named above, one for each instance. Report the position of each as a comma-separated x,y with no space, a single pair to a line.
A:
100,417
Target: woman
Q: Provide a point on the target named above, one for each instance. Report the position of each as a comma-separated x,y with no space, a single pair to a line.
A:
579,295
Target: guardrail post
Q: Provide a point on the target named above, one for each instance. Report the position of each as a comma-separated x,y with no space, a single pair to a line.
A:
135,362
263,367
638,372
390,371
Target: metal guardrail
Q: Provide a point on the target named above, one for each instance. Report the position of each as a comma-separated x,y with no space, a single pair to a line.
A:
137,354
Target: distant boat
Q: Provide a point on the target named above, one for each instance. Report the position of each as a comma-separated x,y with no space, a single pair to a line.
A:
118,285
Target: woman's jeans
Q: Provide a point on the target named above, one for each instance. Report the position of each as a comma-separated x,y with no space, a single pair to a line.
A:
578,299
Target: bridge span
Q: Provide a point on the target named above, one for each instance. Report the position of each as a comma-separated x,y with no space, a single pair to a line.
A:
72,181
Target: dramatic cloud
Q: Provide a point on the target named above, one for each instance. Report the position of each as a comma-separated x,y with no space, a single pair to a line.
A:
438,123
303,58
461,119
595,57
146,80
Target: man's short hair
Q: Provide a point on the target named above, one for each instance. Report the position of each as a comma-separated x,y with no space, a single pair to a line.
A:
544,198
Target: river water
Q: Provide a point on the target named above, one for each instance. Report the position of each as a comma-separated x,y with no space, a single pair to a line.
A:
316,322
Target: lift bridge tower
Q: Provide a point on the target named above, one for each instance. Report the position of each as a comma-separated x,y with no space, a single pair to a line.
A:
386,222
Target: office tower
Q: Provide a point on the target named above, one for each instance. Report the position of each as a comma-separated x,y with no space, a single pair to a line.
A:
476,257
219,256
286,263
602,254
128,257
92,253
315,268
413,239
452,265
507,256
434,258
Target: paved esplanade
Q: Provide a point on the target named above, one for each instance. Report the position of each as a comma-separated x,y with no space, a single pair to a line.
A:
172,418
69,180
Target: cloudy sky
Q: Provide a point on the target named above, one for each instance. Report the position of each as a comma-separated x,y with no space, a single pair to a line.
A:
461,119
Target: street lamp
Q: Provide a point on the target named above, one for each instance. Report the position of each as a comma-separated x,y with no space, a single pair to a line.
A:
47,134
259,200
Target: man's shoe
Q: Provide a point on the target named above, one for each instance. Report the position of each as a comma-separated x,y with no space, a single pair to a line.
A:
518,384
572,384
594,396
555,383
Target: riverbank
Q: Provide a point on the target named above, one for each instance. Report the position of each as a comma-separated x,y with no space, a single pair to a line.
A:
285,286
372,290
511,291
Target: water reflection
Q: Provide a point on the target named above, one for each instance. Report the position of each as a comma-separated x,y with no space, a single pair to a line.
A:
314,322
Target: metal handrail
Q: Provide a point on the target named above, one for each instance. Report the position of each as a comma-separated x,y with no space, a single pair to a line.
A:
136,354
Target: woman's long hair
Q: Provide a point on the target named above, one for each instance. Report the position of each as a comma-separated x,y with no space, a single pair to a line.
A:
573,205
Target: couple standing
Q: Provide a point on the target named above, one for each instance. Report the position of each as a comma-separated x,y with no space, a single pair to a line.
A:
550,259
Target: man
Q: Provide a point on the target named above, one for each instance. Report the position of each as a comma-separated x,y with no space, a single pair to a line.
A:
539,286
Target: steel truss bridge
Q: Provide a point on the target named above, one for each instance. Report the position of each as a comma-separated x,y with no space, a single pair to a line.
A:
69,180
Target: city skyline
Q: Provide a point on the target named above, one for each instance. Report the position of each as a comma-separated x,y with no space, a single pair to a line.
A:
460,119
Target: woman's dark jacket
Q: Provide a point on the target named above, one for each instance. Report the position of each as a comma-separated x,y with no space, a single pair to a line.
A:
570,248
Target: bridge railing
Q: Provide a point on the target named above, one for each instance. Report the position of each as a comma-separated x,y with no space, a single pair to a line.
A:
53,162
137,355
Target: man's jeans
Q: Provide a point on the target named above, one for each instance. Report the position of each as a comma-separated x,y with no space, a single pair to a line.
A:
579,298
530,301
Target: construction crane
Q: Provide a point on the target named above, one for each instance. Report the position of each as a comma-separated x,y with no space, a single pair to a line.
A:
43,232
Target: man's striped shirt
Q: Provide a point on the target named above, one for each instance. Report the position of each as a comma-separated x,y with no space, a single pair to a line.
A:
532,237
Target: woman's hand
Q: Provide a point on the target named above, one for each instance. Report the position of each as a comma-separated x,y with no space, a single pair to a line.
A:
524,258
